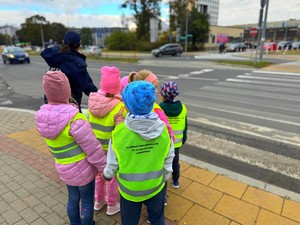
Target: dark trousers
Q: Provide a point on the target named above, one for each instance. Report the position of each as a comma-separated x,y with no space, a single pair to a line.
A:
176,166
131,211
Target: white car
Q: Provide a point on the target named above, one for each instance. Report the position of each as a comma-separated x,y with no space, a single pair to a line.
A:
92,50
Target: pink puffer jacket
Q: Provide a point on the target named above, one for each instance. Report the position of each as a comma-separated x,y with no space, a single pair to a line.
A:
50,122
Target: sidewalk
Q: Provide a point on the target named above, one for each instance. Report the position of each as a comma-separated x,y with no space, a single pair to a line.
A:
31,192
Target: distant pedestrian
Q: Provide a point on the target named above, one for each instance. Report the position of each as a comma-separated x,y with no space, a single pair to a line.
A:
222,48
72,64
177,116
140,154
77,153
104,113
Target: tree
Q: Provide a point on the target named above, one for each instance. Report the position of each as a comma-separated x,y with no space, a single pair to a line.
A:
5,39
31,31
143,11
86,36
178,10
198,26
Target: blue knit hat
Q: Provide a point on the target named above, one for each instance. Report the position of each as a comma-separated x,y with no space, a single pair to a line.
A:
139,97
72,38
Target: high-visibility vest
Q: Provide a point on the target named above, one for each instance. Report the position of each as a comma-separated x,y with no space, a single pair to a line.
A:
140,175
102,127
178,124
64,148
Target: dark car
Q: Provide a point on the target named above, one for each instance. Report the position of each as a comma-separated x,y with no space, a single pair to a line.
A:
236,47
15,55
285,45
168,49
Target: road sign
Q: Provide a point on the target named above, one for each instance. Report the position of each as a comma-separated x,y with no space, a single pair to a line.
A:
253,32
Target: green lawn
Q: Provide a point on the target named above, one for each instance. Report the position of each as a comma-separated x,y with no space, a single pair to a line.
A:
245,63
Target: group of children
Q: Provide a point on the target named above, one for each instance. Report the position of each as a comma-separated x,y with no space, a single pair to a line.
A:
122,152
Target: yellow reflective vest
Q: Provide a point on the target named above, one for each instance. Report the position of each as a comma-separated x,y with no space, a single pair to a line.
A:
141,162
178,124
64,148
103,126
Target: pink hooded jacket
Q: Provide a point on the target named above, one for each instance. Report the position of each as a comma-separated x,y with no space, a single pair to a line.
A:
50,122
100,105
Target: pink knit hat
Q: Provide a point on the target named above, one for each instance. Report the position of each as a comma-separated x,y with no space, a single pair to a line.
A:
124,82
110,80
56,87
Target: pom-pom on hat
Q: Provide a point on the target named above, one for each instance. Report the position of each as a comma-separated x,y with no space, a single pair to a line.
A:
72,38
56,87
169,90
139,97
110,80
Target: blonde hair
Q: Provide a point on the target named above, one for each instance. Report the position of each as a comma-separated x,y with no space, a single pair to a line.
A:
141,75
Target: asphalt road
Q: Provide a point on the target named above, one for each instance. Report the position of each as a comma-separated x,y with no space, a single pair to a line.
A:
242,120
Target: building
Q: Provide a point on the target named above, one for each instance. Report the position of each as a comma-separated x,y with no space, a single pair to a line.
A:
210,7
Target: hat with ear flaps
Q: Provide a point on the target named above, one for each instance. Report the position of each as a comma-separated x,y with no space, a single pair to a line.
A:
56,87
139,97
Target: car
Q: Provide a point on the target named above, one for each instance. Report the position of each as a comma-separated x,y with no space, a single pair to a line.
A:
296,45
285,45
168,49
270,46
236,47
92,50
14,54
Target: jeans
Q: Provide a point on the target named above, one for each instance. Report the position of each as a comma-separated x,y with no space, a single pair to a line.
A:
176,166
85,194
131,211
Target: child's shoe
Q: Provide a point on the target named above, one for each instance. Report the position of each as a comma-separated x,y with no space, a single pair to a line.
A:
99,205
112,210
175,184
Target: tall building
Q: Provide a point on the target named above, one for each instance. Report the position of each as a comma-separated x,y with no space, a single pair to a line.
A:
211,7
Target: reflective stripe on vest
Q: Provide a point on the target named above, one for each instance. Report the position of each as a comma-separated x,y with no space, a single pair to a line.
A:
103,126
141,162
178,124
64,148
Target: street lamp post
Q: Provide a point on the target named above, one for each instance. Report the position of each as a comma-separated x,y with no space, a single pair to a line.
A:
186,30
263,36
39,22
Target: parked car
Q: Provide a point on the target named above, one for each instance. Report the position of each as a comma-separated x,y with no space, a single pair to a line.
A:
92,50
285,45
14,54
270,46
168,49
236,47
296,45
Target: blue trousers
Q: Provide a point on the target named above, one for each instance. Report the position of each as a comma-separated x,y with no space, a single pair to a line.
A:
85,194
131,211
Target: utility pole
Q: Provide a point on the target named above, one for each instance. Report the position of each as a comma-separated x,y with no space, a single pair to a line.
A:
263,37
186,29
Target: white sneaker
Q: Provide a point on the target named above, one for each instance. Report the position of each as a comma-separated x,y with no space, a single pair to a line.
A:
99,205
112,210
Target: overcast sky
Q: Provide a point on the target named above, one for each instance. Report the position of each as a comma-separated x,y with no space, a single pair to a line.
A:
107,13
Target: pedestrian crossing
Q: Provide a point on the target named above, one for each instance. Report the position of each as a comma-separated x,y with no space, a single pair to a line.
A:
259,104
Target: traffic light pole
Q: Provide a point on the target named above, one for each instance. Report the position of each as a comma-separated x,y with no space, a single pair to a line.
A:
263,36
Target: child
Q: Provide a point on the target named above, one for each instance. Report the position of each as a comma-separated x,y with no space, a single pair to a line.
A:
77,153
140,153
104,114
147,75
124,82
177,117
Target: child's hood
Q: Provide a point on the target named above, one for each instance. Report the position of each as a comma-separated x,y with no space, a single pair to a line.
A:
52,119
148,128
100,105
171,109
